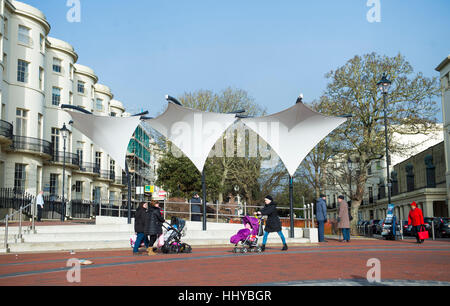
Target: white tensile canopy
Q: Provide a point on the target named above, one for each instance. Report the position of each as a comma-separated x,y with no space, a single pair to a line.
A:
112,134
193,131
294,132
291,133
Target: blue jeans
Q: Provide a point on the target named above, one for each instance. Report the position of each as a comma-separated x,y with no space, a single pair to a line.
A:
321,230
279,234
346,234
139,238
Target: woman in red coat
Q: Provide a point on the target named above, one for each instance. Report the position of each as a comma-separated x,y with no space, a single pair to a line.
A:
415,218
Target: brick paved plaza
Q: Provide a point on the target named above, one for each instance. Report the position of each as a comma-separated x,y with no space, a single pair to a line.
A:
332,263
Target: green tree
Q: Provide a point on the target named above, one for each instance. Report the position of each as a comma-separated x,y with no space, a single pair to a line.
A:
352,88
224,166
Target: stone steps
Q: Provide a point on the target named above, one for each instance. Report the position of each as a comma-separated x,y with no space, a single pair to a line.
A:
115,234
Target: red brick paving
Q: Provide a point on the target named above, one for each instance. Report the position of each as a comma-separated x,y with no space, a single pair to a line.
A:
402,260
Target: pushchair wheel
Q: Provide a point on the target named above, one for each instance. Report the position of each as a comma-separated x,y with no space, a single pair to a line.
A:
174,249
235,250
244,250
258,249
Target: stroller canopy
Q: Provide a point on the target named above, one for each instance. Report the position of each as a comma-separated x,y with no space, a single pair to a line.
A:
253,223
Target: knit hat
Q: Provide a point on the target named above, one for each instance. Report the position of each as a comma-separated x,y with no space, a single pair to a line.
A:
269,197
414,204
341,197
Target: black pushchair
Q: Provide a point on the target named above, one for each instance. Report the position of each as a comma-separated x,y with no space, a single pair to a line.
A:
172,238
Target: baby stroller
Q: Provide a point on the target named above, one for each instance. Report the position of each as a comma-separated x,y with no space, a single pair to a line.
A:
248,237
172,238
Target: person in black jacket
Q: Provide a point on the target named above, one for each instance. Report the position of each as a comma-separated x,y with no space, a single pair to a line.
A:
139,227
153,225
273,223
196,207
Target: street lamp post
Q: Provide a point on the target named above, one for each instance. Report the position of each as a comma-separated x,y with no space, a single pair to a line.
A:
384,85
65,133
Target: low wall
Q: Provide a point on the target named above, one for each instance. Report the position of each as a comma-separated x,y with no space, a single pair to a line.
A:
112,220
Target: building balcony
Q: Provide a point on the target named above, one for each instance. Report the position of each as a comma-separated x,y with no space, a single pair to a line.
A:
31,145
90,168
6,132
106,175
71,159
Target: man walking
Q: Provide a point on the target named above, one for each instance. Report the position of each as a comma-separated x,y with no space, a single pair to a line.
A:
343,218
40,205
321,216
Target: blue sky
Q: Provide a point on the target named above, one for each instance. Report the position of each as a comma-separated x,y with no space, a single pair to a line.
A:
144,49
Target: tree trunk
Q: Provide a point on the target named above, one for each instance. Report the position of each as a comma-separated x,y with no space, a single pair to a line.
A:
222,183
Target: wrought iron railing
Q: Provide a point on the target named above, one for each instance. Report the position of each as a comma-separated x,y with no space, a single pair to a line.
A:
71,158
90,167
32,144
6,129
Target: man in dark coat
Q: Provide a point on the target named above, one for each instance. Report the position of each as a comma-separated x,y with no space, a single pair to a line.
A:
273,223
139,227
196,207
153,225
321,216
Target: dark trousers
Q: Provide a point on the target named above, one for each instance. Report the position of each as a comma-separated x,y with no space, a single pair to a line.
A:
152,240
416,230
321,229
39,212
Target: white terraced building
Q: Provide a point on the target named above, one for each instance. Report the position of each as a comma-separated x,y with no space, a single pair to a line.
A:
38,74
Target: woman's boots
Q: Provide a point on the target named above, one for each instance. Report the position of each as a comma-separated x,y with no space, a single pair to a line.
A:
263,247
150,251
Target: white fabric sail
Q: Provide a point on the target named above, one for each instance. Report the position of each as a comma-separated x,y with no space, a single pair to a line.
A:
112,134
294,132
193,131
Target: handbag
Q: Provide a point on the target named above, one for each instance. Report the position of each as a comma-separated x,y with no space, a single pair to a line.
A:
423,233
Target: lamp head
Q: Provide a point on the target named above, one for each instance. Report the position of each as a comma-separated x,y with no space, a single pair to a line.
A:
64,131
384,84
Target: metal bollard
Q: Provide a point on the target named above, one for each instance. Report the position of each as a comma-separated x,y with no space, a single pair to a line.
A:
432,229
6,232
217,212
20,223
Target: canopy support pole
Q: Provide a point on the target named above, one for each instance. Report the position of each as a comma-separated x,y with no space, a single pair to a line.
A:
291,206
204,199
129,192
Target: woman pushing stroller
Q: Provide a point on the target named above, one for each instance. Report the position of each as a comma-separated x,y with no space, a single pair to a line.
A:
153,225
273,223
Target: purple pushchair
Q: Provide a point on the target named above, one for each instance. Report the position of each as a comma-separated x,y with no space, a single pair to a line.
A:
247,237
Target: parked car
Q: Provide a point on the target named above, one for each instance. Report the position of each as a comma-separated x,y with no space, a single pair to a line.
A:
407,229
371,226
445,230
441,226
427,221
379,227
361,224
